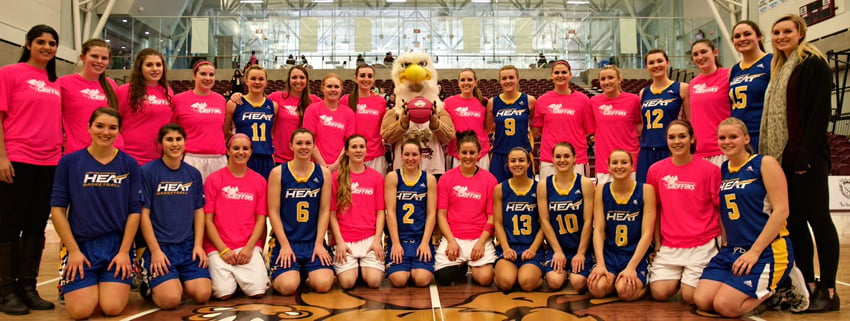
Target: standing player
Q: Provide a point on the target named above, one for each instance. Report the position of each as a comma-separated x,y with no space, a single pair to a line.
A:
565,201
710,104
331,123
145,105
172,225
623,221
517,227
357,218
299,198
757,255
661,102
617,117
468,111
101,185
748,78
292,102
201,112
369,109
411,201
465,216
563,115
254,117
508,116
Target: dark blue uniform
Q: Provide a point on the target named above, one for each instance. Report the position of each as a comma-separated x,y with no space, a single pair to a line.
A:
411,214
744,211
521,221
566,215
623,229
657,109
747,85
512,121
300,198
257,121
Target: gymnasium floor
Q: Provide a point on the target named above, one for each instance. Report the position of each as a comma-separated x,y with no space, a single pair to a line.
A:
457,302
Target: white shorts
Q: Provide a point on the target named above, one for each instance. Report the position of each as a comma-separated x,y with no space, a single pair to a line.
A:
379,164
206,164
685,264
441,260
602,178
361,256
484,162
547,169
717,160
252,278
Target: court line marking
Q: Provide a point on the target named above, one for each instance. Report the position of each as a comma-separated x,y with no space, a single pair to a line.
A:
435,303
47,282
755,318
140,314
842,283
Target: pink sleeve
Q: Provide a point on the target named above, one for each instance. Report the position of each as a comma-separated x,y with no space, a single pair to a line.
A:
5,87
210,188
310,118
488,200
715,185
262,204
349,122
443,192
539,113
589,122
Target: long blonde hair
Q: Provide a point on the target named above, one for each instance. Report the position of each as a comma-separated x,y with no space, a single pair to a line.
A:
804,49
343,193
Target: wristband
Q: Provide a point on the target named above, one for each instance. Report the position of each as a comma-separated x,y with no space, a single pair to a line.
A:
489,228
223,252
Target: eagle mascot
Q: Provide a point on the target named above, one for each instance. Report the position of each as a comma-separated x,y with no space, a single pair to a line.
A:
414,76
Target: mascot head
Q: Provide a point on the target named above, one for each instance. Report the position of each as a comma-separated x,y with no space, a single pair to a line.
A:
414,73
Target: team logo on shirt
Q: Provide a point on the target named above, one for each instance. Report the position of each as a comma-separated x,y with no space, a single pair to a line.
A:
356,189
41,86
564,206
608,110
256,115
704,89
292,110
329,122
510,112
464,112
172,188
657,102
672,182
410,196
730,184
745,79
201,108
520,207
301,192
558,109
103,179
154,100
233,193
363,109
463,192
621,216
93,94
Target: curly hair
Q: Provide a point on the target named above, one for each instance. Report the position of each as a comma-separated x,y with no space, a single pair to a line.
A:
138,87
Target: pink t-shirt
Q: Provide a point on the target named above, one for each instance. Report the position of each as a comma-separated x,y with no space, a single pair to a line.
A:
33,115
469,201
80,97
368,117
235,202
330,127
203,118
467,114
564,118
140,128
616,126
286,122
688,198
367,198
710,104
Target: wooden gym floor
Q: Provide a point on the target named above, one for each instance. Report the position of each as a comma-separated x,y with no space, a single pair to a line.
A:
457,302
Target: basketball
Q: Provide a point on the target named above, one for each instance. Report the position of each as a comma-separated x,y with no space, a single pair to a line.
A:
419,110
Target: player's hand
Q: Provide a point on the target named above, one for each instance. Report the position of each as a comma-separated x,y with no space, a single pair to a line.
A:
744,264
7,172
236,98
286,257
597,273
478,251
342,251
121,263
396,253
76,260
199,255
577,263
424,252
528,254
244,255
630,279
159,263
378,248
452,250
559,261
508,254
322,254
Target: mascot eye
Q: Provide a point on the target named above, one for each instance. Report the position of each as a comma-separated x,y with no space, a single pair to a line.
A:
405,64
423,63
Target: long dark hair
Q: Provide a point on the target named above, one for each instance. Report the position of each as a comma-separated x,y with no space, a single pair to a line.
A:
354,96
138,88
689,127
711,45
476,92
111,99
755,28
305,100
35,32
343,194
105,111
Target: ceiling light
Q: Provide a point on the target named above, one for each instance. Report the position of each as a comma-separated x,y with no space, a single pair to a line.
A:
124,20
323,1
391,1
250,1
480,1
578,2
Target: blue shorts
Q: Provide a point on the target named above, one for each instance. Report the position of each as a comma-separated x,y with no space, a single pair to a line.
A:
499,167
182,266
262,164
304,262
647,157
589,261
616,262
520,248
409,260
99,252
773,267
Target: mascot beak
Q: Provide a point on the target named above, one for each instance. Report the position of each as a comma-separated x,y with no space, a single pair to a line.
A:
415,73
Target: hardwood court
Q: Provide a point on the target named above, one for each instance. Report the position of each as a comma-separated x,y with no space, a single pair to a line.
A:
457,302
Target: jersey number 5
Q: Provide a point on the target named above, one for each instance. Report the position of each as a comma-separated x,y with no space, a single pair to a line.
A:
733,212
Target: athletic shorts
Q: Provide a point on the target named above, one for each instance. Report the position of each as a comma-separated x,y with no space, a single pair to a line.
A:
410,261
361,256
773,267
99,252
441,260
537,260
304,262
262,164
206,164
647,157
182,266
588,263
681,264
252,278
616,262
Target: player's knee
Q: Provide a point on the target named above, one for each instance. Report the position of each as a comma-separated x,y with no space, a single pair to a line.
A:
578,284
167,300
704,303
111,308
80,311
423,280
398,280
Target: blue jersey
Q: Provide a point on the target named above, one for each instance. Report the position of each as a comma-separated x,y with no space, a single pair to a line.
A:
657,110
256,121
411,206
747,85
101,196
623,220
512,120
519,214
744,208
172,197
299,203
566,212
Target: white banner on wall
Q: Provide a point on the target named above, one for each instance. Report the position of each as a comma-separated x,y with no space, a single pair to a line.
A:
362,34
839,193
309,35
200,35
522,35
628,36
471,35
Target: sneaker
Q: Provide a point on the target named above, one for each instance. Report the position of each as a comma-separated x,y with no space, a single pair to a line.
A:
777,301
821,302
798,297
